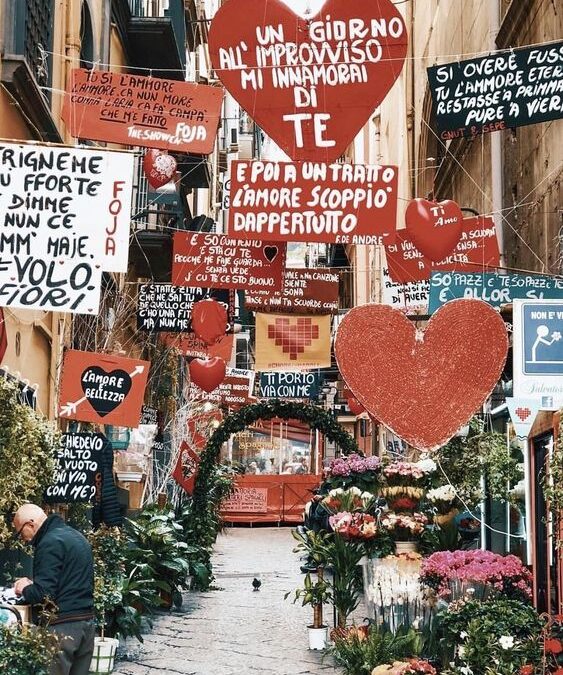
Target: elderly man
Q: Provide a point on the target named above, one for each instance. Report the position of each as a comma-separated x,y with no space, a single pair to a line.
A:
63,571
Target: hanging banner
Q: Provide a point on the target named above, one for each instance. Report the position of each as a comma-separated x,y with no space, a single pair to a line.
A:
102,388
312,202
410,297
477,249
235,390
187,467
78,469
493,288
500,91
167,308
295,386
216,261
538,350
140,110
305,291
189,344
285,342
523,412
311,84
201,427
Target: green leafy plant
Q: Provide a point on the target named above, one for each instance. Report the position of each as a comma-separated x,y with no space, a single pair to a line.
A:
27,650
314,593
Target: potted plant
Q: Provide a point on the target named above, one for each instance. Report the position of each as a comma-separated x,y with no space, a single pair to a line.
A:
443,501
405,482
405,528
315,594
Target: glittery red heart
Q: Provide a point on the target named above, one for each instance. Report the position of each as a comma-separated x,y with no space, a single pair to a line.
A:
423,387
523,413
293,336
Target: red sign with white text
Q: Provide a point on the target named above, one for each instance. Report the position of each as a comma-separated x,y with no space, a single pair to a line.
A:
235,390
477,249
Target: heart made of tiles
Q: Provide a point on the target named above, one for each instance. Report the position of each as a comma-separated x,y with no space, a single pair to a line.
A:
310,84
105,391
435,228
422,386
523,413
293,337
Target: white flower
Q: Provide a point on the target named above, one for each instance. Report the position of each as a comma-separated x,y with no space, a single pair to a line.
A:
506,641
461,651
366,496
427,465
463,635
445,493
355,491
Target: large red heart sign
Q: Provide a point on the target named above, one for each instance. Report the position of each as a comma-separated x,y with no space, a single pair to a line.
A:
210,320
422,386
309,84
434,227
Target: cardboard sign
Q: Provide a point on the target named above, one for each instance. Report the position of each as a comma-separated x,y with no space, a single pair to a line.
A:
214,260
409,297
286,342
139,110
186,469
507,89
310,84
493,288
102,388
78,469
289,385
167,308
235,390
246,500
189,344
313,202
477,249
305,291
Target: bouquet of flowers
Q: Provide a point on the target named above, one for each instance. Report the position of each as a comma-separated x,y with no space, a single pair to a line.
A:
410,667
359,526
409,473
352,499
362,472
442,498
504,574
403,526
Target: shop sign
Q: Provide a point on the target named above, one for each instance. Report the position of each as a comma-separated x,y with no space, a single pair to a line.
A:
305,291
500,91
246,500
410,296
313,202
140,110
310,84
216,261
290,385
493,288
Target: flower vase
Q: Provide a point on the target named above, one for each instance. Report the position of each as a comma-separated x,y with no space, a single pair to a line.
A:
405,547
104,655
442,519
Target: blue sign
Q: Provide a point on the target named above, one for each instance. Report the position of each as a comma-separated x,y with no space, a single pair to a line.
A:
493,288
542,338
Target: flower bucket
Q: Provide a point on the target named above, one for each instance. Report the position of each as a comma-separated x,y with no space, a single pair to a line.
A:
103,657
445,518
317,638
405,547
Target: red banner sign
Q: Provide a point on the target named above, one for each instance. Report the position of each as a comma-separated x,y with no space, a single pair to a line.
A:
477,248
305,291
146,111
186,469
204,260
313,202
235,390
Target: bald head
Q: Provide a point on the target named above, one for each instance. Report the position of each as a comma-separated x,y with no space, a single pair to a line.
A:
28,519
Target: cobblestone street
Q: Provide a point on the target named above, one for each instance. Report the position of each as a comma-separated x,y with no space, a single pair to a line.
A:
236,630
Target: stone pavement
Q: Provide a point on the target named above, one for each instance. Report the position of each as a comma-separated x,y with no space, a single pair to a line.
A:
234,631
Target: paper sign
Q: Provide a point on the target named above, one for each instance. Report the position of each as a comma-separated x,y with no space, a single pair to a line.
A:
305,291
411,296
477,249
102,388
149,415
289,385
313,202
186,469
246,500
189,344
507,89
523,412
216,261
140,110
493,288
235,390
78,469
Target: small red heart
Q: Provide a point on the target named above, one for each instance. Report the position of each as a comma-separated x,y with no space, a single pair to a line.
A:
208,373
434,227
523,413
209,320
355,407
159,167
422,387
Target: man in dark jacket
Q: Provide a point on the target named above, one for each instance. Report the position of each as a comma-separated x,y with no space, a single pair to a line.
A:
63,571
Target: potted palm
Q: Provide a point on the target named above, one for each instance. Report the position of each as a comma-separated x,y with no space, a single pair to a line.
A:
315,594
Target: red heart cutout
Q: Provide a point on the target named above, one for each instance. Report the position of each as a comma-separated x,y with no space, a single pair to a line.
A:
159,167
354,406
523,413
434,227
209,320
343,41
423,387
208,373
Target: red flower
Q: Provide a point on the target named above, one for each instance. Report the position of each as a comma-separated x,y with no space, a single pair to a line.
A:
527,670
553,646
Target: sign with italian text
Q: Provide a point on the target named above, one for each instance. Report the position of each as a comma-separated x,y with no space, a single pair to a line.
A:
217,261
189,344
141,110
411,296
310,84
246,500
235,390
313,202
305,291
102,388
477,249
500,91
291,385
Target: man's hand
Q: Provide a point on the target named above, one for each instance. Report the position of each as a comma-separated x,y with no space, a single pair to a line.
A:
21,584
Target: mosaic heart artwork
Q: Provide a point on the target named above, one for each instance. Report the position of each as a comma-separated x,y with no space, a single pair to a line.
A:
423,386
523,413
293,336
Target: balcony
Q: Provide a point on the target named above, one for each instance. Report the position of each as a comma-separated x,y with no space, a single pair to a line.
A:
27,63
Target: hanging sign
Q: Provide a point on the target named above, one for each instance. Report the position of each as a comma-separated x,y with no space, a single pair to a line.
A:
312,202
310,84
102,388
139,110
409,297
523,412
493,288
289,385
288,342
500,91
477,249
538,350
189,344
187,467
214,260
167,308
235,390
305,291
149,415
201,427
78,469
